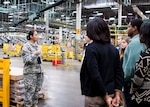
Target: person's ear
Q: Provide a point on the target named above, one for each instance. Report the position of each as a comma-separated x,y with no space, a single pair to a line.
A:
135,28
31,36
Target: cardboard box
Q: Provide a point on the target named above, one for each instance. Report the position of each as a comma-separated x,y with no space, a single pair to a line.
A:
16,73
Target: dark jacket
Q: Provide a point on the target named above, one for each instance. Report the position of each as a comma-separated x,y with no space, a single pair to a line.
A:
101,71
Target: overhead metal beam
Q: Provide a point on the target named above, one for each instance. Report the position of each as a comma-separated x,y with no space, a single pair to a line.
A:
140,2
139,12
37,14
125,2
5,10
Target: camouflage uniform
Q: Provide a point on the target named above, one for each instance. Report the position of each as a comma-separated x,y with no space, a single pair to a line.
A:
33,73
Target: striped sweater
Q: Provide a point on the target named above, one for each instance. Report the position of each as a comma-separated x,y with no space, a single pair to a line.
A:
140,88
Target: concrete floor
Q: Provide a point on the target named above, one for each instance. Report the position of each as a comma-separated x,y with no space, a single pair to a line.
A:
63,85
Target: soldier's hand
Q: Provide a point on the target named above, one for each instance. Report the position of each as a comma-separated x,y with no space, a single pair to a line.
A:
37,52
24,49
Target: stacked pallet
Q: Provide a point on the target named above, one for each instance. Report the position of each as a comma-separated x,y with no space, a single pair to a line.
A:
17,87
17,90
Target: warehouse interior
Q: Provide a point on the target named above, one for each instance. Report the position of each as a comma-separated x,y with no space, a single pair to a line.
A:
61,37
17,14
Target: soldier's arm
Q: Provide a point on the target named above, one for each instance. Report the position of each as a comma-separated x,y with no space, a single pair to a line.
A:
28,56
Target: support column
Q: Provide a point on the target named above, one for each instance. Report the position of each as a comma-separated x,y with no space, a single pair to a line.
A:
120,15
46,19
60,35
78,26
139,12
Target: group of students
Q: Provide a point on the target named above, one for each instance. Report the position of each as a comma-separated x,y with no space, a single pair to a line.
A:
110,79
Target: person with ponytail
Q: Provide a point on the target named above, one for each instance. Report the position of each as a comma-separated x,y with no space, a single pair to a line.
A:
32,71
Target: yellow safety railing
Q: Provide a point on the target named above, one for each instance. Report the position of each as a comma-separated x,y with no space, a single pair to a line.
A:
16,51
116,31
49,52
12,50
5,88
54,53
65,60
5,48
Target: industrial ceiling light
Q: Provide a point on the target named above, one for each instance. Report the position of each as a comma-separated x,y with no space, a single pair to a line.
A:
11,20
101,5
148,11
28,25
6,2
90,18
10,16
51,2
114,8
130,14
99,14
13,6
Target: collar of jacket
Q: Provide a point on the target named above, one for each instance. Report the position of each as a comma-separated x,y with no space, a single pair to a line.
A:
134,37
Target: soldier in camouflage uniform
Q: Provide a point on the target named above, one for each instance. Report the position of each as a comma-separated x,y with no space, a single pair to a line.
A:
33,72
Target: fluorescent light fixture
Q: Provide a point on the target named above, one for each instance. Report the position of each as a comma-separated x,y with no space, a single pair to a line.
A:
111,18
101,5
85,25
11,20
148,11
51,2
10,16
91,18
95,6
6,2
114,8
28,25
13,6
130,13
74,12
99,14
123,16
62,15
12,27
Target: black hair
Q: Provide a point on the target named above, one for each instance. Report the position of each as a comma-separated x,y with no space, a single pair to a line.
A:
97,30
137,23
31,33
145,33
